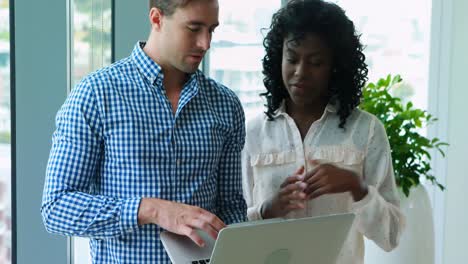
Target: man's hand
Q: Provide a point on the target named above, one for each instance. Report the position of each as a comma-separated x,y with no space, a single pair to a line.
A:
179,218
327,178
290,197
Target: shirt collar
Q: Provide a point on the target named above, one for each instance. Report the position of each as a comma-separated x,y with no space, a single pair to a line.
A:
151,70
330,108
147,67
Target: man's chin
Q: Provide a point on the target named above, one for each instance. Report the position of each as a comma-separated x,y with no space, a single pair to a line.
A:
190,69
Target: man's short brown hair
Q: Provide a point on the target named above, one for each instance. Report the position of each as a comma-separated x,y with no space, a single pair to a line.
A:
167,7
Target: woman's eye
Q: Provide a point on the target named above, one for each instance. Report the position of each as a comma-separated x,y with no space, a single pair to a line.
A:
316,63
291,60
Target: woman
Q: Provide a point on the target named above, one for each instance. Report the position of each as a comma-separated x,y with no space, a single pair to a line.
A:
313,152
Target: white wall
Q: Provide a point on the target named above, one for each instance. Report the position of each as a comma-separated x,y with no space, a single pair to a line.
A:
456,196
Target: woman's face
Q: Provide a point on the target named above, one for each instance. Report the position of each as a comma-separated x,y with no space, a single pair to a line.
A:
306,69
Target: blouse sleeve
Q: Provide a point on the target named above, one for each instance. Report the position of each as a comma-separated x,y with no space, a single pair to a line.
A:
378,215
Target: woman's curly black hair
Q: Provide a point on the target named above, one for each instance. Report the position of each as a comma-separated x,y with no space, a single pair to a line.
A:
328,21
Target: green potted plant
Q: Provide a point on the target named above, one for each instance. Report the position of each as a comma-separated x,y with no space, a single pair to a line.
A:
411,154
410,149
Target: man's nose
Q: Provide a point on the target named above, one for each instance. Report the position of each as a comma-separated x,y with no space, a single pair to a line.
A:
204,41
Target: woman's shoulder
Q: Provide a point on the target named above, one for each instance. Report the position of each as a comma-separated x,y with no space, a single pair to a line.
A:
254,124
262,131
369,117
368,123
362,114
360,125
362,117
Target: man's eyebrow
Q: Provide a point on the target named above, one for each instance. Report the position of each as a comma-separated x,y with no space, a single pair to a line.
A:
199,23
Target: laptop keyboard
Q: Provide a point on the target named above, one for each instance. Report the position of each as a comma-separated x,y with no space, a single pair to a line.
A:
201,261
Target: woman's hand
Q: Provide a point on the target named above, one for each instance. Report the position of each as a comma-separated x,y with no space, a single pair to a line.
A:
290,197
327,178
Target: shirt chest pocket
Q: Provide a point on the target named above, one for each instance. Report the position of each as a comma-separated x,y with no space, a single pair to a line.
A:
340,156
271,169
273,159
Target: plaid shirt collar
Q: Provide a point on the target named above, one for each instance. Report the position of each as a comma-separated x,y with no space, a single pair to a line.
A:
152,71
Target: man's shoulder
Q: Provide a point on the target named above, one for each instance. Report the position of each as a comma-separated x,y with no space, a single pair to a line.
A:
215,89
116,70
98,83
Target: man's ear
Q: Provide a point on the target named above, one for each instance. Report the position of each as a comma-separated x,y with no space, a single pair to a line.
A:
156,18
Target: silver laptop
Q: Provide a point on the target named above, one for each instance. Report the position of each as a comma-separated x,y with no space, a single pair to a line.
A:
276,241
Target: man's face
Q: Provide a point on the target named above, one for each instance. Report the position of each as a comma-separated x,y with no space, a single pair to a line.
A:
306,69
186,34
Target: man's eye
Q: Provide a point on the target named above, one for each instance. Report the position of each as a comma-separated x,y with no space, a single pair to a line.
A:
194,29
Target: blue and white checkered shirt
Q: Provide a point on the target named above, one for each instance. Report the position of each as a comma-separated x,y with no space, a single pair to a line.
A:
117,140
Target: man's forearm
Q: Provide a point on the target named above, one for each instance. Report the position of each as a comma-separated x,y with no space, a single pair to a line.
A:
148,210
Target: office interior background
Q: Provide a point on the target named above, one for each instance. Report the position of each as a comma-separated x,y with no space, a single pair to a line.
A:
46,47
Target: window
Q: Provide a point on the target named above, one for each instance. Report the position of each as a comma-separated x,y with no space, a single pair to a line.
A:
236,51
91,36
396,35
92,40
397,38
5,135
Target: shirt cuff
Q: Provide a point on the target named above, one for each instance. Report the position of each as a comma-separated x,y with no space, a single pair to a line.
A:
255,213
129,215
364,202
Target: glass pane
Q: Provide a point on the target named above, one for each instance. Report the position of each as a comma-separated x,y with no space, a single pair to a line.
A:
397,36
5,129
236,50
92,22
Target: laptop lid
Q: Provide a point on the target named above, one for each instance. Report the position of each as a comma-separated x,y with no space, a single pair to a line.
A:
298,241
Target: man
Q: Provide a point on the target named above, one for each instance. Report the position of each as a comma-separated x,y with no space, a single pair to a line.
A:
148,143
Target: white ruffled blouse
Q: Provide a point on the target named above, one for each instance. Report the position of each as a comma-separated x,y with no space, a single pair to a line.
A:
274,150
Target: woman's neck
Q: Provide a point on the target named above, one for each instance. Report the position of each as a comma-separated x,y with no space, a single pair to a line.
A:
312,110
305,115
